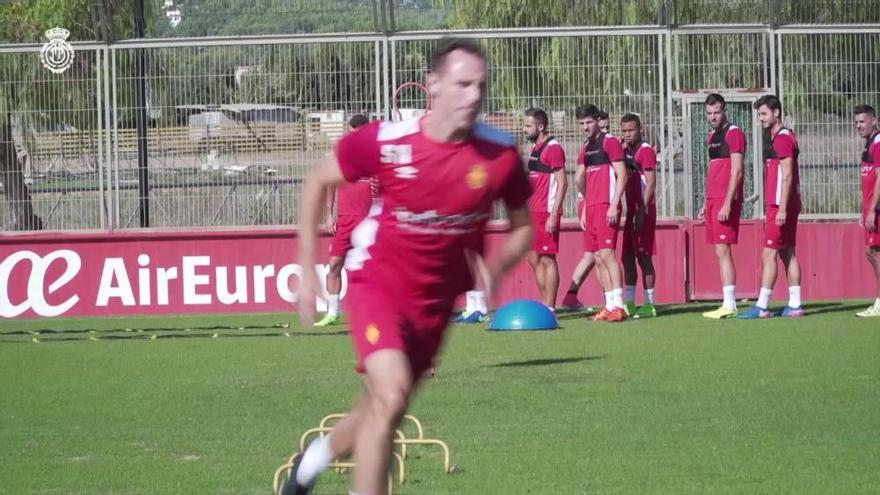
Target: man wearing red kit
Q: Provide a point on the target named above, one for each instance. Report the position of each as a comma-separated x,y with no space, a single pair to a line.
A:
724,197
866,124
547,177
347,206
782,202
601,178
438,176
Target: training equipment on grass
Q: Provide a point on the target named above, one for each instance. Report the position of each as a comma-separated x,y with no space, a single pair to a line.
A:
401,441
524,314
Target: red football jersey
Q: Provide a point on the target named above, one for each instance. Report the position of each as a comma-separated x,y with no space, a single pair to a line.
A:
541,177
783,145
597,155
870,165
435,200
723,143
355,199
639,158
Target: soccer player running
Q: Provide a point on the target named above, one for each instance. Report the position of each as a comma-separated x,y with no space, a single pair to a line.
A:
866,124
601,177
641,216
438,177
549,183
782,202
343,215
724,197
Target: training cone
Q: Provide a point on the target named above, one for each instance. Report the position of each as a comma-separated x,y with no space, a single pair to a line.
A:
524,314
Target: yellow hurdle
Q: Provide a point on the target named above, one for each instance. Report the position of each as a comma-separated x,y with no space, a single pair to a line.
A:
402,441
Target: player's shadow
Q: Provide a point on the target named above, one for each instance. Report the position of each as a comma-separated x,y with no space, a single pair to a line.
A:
545,362
685,309
834,307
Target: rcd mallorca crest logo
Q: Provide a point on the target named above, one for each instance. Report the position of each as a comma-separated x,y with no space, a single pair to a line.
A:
57,54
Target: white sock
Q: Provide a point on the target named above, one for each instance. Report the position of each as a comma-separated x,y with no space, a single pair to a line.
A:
469,304
794,297
333,304
649,296
617,295
609,300
764,298
631,294
729,292
480,301
316,459
877,303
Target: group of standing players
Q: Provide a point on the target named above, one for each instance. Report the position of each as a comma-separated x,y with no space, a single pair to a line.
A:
440,176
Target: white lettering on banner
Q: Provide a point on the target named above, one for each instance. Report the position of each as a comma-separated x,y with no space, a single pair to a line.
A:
37,282
241,293
114,269
163,276
196,281
191,280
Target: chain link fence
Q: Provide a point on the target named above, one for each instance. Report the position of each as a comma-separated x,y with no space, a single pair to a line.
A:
234,124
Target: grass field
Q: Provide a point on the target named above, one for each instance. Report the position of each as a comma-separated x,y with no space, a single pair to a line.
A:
676,405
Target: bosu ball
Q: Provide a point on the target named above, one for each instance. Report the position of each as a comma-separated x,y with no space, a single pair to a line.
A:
524,314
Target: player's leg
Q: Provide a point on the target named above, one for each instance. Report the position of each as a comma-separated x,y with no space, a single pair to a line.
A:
317,457
551,280
334,287
768,280
872,252
614,279
389,382
719,235
630,279
649,279
537,269
581,271
792,267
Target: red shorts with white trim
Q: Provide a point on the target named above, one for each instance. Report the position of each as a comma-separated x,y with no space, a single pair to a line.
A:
341,243
872,239
599,235
639,243
780,237
379,320
718,232
542,242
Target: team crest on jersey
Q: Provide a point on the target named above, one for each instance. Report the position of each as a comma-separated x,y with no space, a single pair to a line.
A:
372,333
477,177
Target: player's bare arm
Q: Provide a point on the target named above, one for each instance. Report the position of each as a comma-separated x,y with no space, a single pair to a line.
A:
871,217
736,175
786,165
647,197
562,180
613,215
326,175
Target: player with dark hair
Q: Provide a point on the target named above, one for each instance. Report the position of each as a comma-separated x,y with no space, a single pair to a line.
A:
604,122
549,183
866,124
601,177
641,216
724,197
347,205
439,176
782,205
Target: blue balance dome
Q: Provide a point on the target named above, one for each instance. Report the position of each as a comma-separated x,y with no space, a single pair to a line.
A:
524,314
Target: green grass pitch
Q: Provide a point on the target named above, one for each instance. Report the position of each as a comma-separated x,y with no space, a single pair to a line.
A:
674,405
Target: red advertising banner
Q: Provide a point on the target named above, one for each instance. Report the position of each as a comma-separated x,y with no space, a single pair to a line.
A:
225,271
